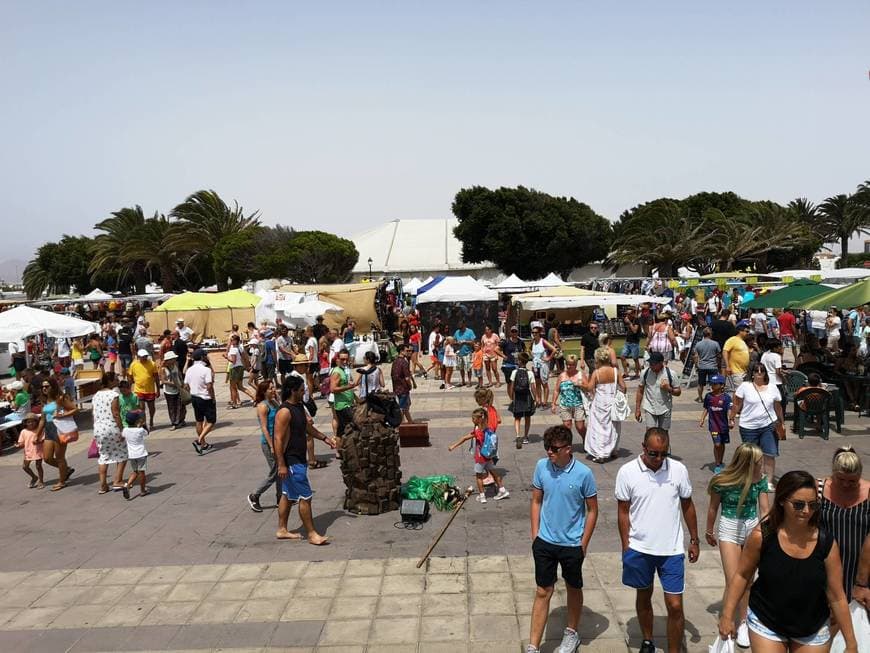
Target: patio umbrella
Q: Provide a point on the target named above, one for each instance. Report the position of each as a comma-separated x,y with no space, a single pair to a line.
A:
798,291
848,297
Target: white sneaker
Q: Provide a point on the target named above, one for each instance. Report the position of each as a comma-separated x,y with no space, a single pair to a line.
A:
481,498
570,641
743,635
502,494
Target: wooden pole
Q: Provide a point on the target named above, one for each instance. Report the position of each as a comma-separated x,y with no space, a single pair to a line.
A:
446,526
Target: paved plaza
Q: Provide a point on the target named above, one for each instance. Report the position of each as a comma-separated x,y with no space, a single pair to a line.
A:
191,567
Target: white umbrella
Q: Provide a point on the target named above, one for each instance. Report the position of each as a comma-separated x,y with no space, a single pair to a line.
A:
24,321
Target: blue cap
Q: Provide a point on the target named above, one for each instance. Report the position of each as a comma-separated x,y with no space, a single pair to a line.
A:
743,324
717,378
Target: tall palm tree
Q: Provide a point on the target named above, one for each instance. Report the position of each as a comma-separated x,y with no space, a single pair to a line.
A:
152,248
122,230
205,223
842,215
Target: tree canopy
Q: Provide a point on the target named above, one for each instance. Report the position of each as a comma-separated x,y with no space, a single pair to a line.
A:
527,232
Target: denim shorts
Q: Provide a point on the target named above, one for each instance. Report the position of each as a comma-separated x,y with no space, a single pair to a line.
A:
821,637
765,437
404,401
630,350
639,570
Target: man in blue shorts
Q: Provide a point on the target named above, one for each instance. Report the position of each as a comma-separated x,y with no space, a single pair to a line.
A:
292,427
564,512
631,348
651,492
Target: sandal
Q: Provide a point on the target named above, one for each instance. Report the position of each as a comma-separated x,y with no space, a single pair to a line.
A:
317,464
59,486
103,490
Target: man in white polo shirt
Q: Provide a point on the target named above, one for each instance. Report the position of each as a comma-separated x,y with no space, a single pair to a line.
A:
651,492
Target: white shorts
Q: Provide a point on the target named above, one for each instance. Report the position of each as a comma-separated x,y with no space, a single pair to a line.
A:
483,468
735,530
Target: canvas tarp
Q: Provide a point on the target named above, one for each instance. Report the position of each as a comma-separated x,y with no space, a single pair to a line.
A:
210,315
356,299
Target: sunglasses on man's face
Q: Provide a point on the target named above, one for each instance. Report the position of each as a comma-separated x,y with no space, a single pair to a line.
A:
800,506
556,448
657,454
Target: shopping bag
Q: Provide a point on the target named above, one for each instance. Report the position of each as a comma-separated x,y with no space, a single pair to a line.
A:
93,450
861,625
620,410
722,646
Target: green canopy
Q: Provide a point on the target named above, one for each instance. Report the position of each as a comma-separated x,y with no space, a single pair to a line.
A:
851,296
199,300
790,296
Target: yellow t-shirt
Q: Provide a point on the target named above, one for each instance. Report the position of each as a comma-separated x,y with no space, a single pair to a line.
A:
738,354
143,376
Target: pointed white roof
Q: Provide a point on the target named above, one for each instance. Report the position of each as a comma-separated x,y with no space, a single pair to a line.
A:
513,282
458,289
550,281
412,246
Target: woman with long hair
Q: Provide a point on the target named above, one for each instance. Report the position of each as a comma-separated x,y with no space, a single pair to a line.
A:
740,490
602,435
489,342
800,577
416,340
57,406
542,354
845,510
661,337
568,398
266,403
757,404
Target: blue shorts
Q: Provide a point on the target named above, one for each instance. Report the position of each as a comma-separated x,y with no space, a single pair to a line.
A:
721,437
639,570
126,360
765,437
404,401
296,485
819,638
704,376
630,350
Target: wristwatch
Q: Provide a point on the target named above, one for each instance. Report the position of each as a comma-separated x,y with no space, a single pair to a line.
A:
694,540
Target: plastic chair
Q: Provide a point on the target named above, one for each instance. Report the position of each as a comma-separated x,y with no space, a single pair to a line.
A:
816,404
794,381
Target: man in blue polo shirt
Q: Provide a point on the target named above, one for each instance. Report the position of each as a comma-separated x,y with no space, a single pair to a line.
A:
564,512
464,338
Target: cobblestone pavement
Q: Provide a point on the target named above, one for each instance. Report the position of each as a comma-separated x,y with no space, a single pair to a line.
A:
191,567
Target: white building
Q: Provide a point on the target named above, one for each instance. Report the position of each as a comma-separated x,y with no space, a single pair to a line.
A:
409,248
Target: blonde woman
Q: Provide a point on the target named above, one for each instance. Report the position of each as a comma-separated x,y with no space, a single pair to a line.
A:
604,341
568,399
602,433
740,490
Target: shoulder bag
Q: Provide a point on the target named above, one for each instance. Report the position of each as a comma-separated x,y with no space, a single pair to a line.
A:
778,427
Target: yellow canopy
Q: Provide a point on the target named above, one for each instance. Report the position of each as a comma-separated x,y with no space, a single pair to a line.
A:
209,314
193,300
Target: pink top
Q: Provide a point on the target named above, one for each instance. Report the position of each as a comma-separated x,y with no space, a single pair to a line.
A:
489,344
32,447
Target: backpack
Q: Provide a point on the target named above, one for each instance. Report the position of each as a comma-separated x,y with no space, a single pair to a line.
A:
667,369
489,446
521,382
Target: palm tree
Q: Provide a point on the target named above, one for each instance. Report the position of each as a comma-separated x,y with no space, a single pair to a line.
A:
842,215
204,224
36,279
152,248
122,231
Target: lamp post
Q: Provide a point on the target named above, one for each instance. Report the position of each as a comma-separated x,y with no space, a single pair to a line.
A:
370,269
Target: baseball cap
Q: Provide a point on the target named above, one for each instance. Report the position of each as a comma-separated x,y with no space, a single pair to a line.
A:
143,353
717,378
656,357
199,354
742,324
515,328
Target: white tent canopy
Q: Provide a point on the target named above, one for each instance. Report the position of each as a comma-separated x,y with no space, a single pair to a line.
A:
552,280
412,286
584,301
513,282
841,273
97,295
293,308
24,321
458,289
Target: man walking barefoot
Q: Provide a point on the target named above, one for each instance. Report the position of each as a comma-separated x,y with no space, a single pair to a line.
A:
291,434
564,512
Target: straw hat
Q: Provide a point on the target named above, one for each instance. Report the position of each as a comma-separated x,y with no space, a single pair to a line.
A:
301,359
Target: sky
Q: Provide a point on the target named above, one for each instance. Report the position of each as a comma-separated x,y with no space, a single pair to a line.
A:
342,116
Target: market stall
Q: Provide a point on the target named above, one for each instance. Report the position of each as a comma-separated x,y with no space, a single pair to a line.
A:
453,298
210,315
356,301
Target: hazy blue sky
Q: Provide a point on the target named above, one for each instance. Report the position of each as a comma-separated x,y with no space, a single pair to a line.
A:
345,115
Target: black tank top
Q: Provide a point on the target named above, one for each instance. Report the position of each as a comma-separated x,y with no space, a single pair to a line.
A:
789,594
296,452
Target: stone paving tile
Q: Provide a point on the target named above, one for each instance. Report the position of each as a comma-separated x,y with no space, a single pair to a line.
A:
345,631
309,609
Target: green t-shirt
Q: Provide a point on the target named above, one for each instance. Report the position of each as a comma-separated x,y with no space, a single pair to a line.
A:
21,399
126,404
342,399
730,496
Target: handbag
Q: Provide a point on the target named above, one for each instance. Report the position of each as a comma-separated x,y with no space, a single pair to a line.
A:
722,646
184,396
778,427
861,626
93,449
620,410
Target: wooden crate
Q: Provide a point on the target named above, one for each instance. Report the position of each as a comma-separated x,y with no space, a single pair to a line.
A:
414,435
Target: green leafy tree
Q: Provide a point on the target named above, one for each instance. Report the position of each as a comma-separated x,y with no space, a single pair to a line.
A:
527,232
315,257
211,232
60,267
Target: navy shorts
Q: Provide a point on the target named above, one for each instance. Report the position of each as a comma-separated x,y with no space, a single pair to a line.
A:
548,557
704,376
126,360
722,437
639,570
204,410
404,401
296,485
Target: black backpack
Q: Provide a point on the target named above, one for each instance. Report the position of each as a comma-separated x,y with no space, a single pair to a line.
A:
521,381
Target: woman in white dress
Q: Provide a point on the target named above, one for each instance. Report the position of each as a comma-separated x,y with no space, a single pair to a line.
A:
602,433
107,433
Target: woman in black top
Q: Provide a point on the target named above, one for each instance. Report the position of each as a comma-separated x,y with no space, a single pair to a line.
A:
800,577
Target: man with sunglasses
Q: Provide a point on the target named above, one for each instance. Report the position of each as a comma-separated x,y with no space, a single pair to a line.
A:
652,492
564,512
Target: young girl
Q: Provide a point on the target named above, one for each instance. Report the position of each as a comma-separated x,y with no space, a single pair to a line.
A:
449,362
542,352
740,490
477,363
568,399
415,339
483,464
522,405
30,439
77,352
435,344
135,434
484,399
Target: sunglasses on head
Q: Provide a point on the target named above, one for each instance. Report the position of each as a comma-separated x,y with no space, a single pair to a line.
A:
657,454
556,448
799,506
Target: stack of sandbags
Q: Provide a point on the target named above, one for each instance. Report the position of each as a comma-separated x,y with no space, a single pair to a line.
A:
370,467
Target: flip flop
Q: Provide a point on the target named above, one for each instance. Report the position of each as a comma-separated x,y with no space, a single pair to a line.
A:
103,491
59,486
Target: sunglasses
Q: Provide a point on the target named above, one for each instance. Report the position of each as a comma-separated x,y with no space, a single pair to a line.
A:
657,454
799,506
556,448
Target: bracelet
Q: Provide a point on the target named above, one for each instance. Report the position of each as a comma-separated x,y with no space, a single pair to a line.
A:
708,532
694,540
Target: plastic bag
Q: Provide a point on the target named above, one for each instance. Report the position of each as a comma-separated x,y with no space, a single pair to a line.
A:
722,646
861,625
93,449
436,489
